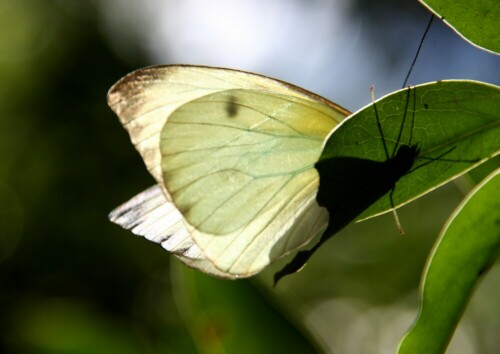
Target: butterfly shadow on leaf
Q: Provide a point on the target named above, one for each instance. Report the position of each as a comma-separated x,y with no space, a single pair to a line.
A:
349,187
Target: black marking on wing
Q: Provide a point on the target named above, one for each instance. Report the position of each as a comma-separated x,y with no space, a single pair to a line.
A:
232,107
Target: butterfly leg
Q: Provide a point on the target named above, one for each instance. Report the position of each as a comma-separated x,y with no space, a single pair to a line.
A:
395,214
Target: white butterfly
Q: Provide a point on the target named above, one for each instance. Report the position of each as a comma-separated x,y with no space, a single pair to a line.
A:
233,156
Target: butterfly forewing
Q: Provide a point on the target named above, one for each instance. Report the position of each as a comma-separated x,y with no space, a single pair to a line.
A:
145,98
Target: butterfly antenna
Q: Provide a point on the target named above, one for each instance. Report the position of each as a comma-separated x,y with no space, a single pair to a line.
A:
401,127
372,91
418,50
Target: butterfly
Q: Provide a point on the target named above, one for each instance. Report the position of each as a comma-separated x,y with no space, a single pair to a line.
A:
233,156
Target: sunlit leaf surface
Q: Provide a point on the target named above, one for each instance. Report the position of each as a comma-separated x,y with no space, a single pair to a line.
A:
476,21
454,125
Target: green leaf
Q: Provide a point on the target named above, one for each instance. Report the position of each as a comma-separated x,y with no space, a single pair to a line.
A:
467,247
433,133
476,21
454,124
233,316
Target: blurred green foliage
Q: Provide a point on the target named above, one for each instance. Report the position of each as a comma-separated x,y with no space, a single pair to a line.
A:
233,316
64,163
